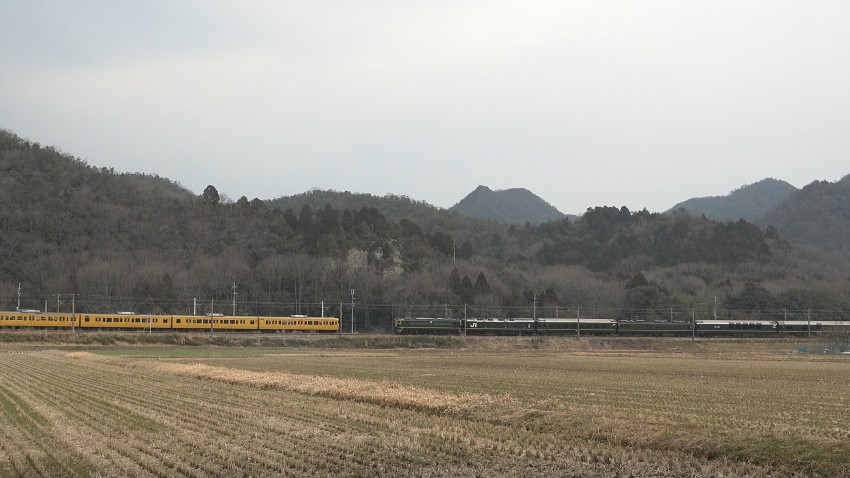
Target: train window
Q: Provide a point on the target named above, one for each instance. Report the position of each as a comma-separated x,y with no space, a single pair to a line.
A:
252,322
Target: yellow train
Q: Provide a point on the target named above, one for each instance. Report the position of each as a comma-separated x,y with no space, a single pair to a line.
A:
133,321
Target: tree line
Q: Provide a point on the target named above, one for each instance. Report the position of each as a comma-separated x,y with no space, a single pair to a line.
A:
118,241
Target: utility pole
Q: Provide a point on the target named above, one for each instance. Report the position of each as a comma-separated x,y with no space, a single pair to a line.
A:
234,299
578,321
352,311
534,309
19,297
715,307
464,320
73,310
809,323
693,324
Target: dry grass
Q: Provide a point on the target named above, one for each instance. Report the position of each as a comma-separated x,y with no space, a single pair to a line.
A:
379,393
482,412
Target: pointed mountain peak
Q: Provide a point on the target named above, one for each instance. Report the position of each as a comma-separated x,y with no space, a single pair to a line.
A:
507,206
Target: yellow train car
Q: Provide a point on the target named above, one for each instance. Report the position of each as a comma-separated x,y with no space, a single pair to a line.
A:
300,323
125,320
36,318
216,322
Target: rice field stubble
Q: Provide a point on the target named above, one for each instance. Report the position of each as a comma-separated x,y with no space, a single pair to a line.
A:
157,412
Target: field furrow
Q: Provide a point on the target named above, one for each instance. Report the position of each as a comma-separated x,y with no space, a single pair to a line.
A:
419,414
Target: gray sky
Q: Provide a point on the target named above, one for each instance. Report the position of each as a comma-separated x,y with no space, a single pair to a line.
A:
585,103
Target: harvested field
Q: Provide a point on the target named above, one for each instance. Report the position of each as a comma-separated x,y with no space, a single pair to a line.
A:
480,411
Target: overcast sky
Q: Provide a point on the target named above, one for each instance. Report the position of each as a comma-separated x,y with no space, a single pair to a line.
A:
585,103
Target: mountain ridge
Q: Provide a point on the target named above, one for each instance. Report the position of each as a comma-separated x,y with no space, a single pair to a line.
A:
749,202
506,206
817,216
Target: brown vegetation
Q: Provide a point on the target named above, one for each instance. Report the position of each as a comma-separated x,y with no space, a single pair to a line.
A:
612,410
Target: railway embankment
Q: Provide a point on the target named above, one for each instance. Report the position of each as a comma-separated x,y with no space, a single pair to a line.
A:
818,345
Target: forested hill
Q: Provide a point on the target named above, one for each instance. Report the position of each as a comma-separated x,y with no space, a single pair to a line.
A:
507,206
394,207
137,242
818,215
748,202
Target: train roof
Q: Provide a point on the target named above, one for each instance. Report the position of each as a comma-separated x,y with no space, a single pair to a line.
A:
833,323
427,318
573,320
496,319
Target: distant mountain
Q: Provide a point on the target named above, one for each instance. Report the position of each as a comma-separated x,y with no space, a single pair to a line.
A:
818,215
507,206
747,202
